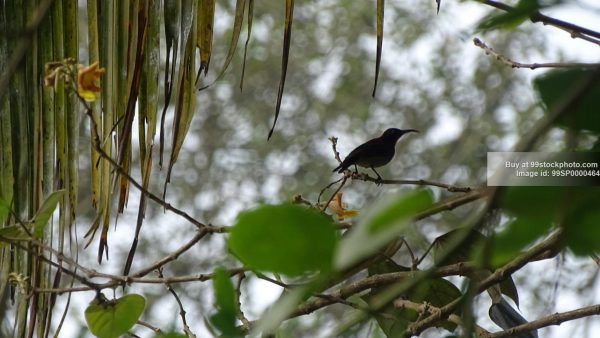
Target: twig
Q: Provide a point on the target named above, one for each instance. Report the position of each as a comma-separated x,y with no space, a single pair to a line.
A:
428,308
344,180
243,319
155,329
182,312
490,51
336,153
172,256
327,187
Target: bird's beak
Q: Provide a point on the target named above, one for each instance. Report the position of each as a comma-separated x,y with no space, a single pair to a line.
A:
409,130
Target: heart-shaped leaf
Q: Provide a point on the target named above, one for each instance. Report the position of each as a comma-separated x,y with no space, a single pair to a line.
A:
111,319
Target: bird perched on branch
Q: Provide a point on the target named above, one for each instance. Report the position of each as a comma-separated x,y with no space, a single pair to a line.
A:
374,153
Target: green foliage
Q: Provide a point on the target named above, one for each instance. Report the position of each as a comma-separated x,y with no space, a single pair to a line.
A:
556,87
111,319
226,303
36,225
537,209
170,335
286,238
518,234
381,225
580,225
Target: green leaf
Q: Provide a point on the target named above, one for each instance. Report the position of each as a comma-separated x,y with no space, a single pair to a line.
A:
538,208
13,233
457,246
512,18
555,86
520,233
225,300
45,212
381,225
287,239
111,319
533,202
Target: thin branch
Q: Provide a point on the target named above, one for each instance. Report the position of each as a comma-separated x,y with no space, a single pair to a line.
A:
182,312
574,30
241,316
329,186
553,319
514,64
454,202
336,153
122,280
172,256
154,329
325,205
449,187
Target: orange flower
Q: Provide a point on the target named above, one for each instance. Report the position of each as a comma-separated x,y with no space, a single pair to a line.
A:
88,81
338,208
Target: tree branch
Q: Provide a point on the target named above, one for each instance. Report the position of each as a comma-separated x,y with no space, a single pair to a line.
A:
574,30
551,243
553,319
490,51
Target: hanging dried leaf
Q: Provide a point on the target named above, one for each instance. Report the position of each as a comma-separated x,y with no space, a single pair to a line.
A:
287,36
380,7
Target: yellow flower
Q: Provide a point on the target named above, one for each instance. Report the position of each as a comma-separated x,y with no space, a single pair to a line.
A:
88,79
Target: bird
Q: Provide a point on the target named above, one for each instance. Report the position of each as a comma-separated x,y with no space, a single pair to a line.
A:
374,153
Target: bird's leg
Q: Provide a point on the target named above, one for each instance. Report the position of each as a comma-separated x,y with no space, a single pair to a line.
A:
355,169
378,176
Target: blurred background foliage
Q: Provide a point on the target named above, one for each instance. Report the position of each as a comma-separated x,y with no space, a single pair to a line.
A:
432,79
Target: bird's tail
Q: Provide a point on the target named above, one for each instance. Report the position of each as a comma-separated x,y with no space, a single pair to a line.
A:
340,168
